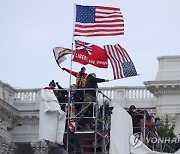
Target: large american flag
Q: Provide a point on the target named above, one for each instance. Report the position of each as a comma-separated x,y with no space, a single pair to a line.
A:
121,62
98,21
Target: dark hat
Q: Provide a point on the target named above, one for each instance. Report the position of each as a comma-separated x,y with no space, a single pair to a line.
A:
83,68
132,107
52,83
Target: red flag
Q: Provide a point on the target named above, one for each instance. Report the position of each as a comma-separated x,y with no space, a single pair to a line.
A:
98,21
87,53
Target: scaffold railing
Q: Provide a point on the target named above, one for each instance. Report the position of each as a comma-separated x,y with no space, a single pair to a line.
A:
87,122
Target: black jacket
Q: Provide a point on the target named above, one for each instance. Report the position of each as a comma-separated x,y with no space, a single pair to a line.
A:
91,82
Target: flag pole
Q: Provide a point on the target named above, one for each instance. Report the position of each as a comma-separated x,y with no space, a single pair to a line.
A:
69,93
72,44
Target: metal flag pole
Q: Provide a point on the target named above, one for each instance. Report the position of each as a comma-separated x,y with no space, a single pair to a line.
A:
72,44
69,93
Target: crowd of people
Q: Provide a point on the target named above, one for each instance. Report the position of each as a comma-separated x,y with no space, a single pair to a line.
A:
82,94
84,90
145,126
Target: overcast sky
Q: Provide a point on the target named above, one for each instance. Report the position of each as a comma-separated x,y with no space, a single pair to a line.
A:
30,29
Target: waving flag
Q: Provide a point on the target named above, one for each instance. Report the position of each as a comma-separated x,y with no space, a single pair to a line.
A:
121,62
87,53
59,54
98,21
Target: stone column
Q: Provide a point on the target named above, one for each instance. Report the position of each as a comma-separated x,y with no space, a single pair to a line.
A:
4,146
39,147
12,148
166,88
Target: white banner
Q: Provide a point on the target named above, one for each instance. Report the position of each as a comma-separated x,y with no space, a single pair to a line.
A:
51,118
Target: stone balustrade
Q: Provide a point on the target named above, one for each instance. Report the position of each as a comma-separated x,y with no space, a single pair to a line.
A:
28,99
33,95
27,95
139,92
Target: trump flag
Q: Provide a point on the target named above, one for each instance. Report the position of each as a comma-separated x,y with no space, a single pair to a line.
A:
87,53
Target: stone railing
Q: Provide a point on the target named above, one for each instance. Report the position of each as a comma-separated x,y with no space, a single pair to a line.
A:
33,95
27,95
132,93
138,93
127,92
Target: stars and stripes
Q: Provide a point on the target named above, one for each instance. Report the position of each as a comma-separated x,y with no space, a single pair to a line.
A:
121,62
98,21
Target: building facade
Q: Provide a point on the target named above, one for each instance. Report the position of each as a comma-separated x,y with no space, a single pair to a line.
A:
19,116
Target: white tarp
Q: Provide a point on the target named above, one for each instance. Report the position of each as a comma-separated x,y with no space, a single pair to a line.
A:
177,152
121,129
141,148
51,118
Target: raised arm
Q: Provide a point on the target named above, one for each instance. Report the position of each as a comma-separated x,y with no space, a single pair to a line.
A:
69,71
98,80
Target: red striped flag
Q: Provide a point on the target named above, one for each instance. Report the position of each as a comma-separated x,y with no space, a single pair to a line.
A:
121,62
98,21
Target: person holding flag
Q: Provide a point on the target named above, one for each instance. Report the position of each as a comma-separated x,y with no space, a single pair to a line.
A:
80,79
92,82
80,76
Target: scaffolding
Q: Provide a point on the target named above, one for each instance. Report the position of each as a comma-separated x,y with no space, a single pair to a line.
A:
80,139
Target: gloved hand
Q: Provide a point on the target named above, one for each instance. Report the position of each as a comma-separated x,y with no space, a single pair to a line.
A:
63,68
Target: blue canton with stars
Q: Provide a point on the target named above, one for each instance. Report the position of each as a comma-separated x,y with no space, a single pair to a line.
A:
85,14
129,69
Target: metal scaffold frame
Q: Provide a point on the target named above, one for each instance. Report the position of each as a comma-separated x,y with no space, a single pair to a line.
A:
79,140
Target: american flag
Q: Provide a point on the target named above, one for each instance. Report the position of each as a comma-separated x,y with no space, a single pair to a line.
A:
121,62
98,21
84,46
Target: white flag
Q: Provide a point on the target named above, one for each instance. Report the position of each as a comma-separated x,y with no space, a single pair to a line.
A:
59,54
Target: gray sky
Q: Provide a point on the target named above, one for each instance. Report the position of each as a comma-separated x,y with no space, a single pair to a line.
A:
30,29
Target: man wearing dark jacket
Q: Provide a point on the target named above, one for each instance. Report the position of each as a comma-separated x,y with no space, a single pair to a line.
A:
91,82
90,96
136,115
